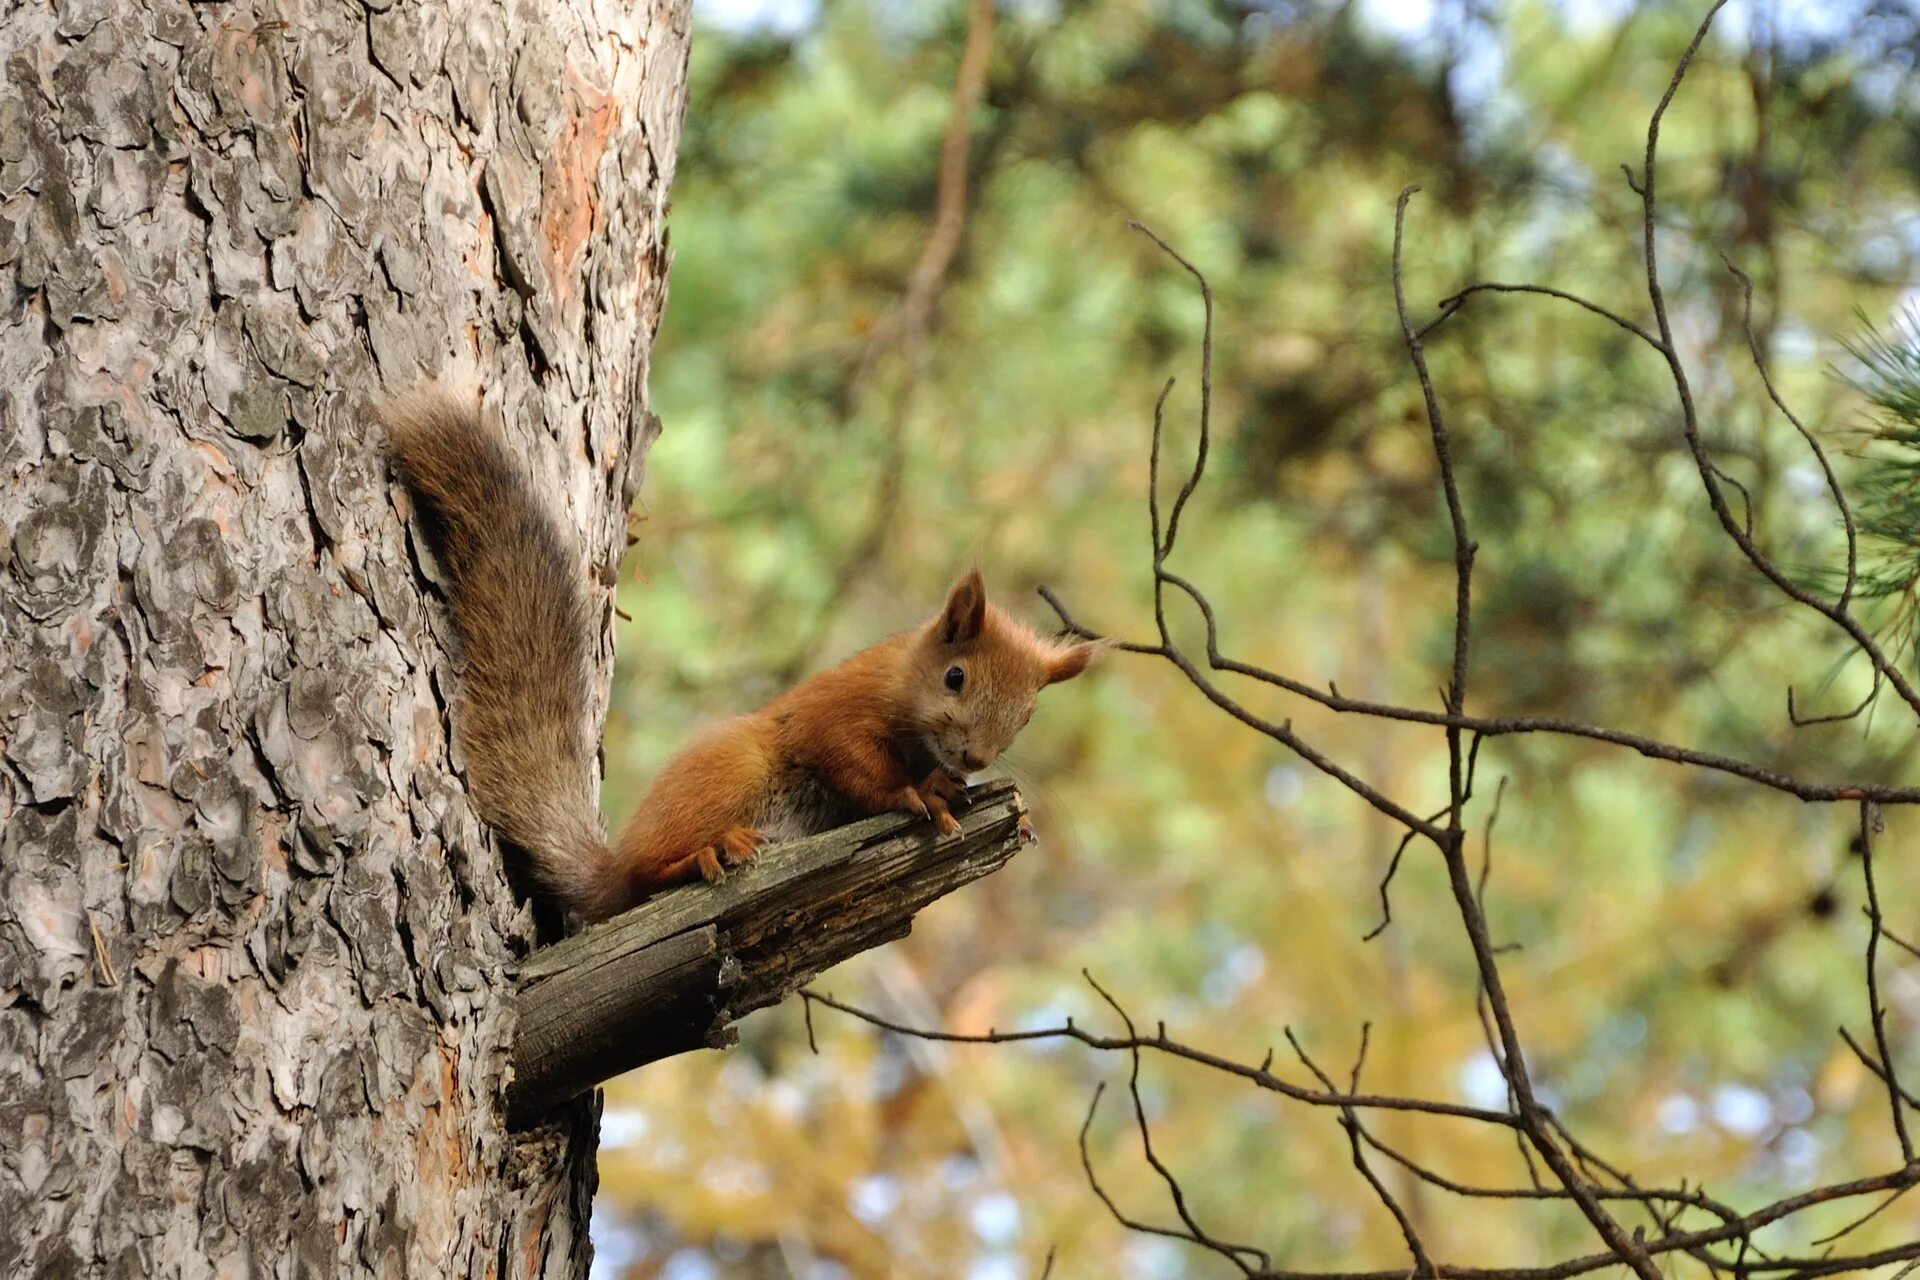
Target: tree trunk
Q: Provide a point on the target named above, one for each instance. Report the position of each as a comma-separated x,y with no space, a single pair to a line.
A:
256,952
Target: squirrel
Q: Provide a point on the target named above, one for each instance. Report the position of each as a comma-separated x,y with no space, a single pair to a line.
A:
895,728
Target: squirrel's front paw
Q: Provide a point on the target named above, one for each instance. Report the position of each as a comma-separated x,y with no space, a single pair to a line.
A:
944,785
1025,830
735,847
911,802
739,847
940,790
925,801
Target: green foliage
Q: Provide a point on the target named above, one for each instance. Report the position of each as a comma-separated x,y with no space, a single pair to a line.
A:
1688,942
1887,495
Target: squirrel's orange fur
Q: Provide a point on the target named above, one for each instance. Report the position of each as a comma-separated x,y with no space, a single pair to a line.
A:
896,727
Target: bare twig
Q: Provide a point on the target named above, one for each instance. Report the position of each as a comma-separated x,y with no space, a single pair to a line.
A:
1561,1168
1422,1261
1647,188
1164,548
1260,1076
1240,1255
1869,824
1732,1227
1800,722
1508,726
1834,490
1455,301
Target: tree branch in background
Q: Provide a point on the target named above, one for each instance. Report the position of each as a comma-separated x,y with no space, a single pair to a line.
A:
1838,612
1574,1174
903,331
1896,1096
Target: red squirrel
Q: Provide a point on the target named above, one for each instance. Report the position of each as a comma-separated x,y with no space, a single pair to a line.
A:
894,728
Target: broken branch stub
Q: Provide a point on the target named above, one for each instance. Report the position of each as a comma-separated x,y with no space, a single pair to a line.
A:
676,972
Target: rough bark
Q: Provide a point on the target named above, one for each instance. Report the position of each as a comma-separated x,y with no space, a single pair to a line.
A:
675,973
256,953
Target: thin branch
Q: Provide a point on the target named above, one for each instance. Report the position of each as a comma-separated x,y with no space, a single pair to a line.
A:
1153,474
1689,414
1505,726
1093,1181
1834,490
1386,883
1872,1064
1455,301
1863,1219
1422,1261
1486,844
1900,942
1238,1254
1732,1228
1680,1197
1464,547
1260,1076
1072,627
1800,722
1165,548
1869,822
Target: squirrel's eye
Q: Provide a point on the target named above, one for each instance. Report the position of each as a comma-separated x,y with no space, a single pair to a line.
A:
955,678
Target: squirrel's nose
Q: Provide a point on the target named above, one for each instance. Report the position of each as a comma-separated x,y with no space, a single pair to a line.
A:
973,761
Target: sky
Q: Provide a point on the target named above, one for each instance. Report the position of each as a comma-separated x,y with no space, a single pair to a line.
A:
1479,65
1405,19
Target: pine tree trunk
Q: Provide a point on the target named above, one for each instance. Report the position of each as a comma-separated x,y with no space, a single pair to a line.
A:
256,951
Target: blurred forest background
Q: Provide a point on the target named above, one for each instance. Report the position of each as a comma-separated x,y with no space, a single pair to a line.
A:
870,377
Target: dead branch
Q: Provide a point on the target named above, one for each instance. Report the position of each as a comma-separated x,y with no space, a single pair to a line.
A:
676,972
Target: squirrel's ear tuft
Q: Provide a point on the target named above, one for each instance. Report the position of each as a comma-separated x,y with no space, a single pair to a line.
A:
1071,660
966,611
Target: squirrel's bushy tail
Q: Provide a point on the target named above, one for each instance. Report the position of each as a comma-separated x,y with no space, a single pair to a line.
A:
519,597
